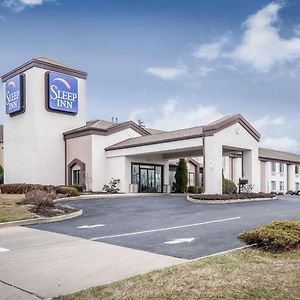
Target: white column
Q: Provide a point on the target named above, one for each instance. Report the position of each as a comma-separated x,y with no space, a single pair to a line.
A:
213,166
237,169
290,178
251,168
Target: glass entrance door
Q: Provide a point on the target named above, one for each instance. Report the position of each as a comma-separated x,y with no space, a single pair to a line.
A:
148,177
147,181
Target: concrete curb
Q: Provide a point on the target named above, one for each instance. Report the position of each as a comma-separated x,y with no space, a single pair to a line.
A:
42,220
111,196
228,201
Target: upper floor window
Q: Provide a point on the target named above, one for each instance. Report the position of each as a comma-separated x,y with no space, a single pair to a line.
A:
281,168
297,169
273,167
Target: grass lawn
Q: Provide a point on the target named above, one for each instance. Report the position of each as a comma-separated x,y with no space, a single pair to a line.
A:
243,274
11,211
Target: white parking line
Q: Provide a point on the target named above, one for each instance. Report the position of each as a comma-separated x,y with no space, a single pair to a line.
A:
90,226
163,229
3,249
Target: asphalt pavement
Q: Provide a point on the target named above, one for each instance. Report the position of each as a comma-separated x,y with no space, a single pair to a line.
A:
170,225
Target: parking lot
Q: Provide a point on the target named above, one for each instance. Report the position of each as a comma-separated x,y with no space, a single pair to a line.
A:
170,225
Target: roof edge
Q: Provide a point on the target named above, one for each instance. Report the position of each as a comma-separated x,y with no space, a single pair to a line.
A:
38,63
223,123
83,131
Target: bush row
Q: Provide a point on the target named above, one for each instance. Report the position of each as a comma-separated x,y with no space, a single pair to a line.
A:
277,236
23,188
195,189
232,196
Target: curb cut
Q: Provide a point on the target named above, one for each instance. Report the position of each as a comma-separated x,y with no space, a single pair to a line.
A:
191,199
42,220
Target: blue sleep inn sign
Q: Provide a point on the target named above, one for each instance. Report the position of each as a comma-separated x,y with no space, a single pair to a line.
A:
61,93
14,95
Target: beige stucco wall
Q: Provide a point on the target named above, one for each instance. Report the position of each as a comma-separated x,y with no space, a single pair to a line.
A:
34,149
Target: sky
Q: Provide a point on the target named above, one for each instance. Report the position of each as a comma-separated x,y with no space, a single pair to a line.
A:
171,63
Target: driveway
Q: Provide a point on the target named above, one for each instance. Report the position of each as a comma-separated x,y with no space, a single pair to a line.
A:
121,237
170,225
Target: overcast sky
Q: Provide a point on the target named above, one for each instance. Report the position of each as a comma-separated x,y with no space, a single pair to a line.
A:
171,63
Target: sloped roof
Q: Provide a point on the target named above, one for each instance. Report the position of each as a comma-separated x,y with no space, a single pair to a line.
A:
269,154
44,63
163,137
101,127
187,133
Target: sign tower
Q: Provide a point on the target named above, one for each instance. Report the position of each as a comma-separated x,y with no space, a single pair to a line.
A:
43,99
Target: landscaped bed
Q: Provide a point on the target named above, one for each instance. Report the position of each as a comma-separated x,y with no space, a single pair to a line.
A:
19,207
229,197
243,274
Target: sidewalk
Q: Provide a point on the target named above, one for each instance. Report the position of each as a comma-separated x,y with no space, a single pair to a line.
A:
41,264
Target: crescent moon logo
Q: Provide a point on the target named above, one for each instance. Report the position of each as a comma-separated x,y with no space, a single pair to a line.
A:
11,83
65,82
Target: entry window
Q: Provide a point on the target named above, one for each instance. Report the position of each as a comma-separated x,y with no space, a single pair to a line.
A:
273,186
297,186
273,167
191,179
76,177
281,186
281,168
135,174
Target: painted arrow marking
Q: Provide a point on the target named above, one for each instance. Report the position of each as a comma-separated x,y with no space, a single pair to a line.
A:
179,241
3,249
91,226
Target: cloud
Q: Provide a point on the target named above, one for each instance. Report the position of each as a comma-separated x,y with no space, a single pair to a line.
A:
172,117
262,47
137,114
204,71
282,143
2,18
211,51
168,73
19,5
267,121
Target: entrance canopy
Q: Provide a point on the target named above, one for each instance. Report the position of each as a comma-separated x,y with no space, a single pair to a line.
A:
232,134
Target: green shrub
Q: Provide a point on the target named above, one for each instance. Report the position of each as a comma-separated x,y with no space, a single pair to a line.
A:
68,191
181,176
192,189
78,187
1,175
23,188
112,186
277,236
228,186
200,190
39,199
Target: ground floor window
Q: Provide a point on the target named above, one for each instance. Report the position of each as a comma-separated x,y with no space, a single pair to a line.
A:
281,186
76,177
148,177
273,186
191,179
297,186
